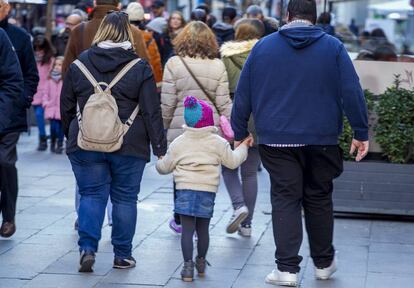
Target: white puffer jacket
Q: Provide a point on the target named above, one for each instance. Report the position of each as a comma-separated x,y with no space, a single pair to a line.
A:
178,83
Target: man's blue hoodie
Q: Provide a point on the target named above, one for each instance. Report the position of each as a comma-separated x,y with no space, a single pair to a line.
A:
297,83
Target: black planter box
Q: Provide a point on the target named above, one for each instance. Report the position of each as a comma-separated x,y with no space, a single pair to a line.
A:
375,188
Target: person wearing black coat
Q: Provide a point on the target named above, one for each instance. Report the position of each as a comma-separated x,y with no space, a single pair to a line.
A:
23,46
116,174
11,100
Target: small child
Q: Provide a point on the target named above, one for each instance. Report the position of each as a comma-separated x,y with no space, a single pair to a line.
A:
51,105
195,158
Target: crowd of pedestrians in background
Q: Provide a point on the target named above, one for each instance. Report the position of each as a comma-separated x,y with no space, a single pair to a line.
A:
200,97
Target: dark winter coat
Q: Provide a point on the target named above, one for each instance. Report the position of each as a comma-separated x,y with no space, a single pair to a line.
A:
11,85
136,87
271,25
22,44
224,32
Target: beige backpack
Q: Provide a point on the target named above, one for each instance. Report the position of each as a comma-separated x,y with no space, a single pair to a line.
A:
100,128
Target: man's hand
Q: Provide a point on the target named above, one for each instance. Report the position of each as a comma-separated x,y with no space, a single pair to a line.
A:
362,147
247,141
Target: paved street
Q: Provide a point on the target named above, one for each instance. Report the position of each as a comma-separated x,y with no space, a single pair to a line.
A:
43,253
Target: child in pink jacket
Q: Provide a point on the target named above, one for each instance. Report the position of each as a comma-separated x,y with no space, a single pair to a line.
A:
51,104
44,59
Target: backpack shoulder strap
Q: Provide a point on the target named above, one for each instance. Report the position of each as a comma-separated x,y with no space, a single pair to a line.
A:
240,67
122,73
199,84
88,75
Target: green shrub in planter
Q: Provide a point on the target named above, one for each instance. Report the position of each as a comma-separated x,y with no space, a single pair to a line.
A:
395,128
346,137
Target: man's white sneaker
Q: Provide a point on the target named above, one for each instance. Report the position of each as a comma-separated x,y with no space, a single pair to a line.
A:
326,273
238,216
280,278
245,230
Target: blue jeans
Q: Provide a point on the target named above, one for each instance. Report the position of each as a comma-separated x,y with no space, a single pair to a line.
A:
100,175
56,131
40,119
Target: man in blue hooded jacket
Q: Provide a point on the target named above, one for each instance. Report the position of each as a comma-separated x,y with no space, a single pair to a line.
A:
297,83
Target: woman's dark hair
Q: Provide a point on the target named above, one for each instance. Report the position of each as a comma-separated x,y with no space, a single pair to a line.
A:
40,43
107,2
325,18
229,14
199,15
302,9
378,34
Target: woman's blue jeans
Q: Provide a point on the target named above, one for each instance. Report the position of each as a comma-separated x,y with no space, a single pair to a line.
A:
99,176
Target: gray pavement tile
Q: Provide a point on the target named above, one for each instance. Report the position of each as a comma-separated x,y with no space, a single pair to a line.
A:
337,281
63,281
12,283
234,241
391,248
352,260
153,268
26,202
228,257
254,276
69,240
115,285
25,261
36,221
352,228
219,276
7,244
34,190
392,232
69,264
398,263
385,280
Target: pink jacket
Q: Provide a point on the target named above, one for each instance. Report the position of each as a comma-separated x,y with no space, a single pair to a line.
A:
42,86
51,99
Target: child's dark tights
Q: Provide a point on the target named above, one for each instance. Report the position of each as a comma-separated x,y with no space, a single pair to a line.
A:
191,224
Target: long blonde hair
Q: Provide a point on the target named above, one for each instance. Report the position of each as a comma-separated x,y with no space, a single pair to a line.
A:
115,26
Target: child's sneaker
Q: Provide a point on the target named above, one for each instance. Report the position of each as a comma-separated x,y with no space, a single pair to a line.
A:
187,273
280,278
245,230
87,259
201,265
124,263
239,215
175,227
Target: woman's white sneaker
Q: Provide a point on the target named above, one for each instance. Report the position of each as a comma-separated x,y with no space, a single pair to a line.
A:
245,230
238,217
326,273
280,278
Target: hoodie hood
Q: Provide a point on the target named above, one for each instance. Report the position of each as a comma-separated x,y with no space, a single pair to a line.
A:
109,60
302,36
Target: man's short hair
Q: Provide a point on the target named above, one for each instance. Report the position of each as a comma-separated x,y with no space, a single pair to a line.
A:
107,2
229,13
254,10
302,9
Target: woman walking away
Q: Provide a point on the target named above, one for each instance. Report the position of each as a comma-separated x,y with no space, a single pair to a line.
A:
243,193
44,60
119,114
196,48
195,159
51,105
